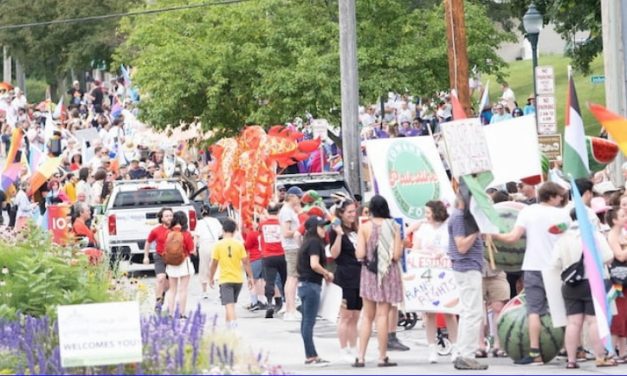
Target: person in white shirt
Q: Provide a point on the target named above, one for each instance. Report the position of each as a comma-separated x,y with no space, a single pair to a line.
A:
291,241
207,233
24,206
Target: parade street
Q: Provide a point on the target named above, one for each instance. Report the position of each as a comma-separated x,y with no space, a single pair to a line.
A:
281,341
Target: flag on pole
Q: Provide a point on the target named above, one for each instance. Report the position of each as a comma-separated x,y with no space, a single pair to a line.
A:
593,264
16,143
9,175
485,98
575,151
126,75
58,110
35,158
458,110
480,204
43,173
615,125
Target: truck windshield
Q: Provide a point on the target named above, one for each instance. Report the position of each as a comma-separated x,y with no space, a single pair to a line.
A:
148,197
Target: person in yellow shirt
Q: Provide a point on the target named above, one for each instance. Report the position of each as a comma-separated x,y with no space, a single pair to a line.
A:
70,187
230,255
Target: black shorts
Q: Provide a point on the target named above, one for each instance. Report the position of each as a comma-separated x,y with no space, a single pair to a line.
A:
229,292
578,299
351,299
159,264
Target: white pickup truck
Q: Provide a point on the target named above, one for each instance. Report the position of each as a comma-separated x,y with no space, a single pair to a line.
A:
131,213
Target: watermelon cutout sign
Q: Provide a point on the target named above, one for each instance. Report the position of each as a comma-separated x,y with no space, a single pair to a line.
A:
513,331
537,179
509,256
601,152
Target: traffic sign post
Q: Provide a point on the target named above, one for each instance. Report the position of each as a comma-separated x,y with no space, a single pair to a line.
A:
546,114
597,80
545,80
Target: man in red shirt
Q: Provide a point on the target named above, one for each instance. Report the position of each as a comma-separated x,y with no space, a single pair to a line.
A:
158,235
272,257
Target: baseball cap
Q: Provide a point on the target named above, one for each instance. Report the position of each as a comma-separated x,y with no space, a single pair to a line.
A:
315,221
598,205
296,191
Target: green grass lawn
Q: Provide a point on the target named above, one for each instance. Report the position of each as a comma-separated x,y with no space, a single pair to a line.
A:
519,77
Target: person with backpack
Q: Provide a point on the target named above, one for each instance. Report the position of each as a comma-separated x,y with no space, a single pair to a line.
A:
158,236
179,245
230,255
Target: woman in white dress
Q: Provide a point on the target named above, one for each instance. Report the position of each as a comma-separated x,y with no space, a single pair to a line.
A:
432,236
208,232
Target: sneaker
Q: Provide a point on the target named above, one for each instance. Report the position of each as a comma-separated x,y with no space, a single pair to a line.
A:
270,313
528,360
395,345
291,317
282,310
347,355
250,306
317,362
433,354
462,363
258,307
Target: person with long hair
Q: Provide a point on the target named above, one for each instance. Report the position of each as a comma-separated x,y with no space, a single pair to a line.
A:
311,272
208,232
179,275
432,236
617,219
343,240
379,245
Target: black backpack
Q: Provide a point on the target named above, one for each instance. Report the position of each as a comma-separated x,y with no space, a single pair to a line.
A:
573,275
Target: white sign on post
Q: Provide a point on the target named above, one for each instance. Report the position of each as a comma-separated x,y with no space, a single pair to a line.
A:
545,80
429,284
547,114
99,334
467,147
319,129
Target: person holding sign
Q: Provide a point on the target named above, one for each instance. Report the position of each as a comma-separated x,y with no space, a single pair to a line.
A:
432,237
466,253
379,246
343,240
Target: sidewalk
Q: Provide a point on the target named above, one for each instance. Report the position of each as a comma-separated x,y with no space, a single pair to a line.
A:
282,342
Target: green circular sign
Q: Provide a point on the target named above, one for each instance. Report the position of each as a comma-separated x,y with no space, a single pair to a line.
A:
412,178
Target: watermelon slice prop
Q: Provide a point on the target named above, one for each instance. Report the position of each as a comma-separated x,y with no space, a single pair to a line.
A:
601,152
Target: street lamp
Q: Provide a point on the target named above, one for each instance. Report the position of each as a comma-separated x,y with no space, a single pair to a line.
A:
532,22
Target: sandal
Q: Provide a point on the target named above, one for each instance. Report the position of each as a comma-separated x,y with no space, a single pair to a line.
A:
386,363
498,353
481,354
605,362
572,365
358,364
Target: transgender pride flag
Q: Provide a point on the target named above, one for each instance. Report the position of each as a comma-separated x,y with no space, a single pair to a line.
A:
593,264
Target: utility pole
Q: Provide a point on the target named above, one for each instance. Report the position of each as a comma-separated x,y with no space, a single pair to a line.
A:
6,76
614,17
457,51
351,148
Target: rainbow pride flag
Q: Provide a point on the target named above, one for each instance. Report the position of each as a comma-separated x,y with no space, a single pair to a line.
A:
593,264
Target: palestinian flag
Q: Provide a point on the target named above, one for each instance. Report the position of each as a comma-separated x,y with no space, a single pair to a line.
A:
575,151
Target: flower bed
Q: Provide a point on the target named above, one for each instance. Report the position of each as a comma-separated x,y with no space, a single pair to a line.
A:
36,276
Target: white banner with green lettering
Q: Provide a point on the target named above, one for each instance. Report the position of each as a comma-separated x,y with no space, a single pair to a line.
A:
408,172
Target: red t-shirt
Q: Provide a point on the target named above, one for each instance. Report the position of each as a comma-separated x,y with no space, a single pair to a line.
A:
270,238
158,235
252,245
188,241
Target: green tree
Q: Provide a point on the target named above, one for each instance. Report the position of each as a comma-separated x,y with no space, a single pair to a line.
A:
268,60
48,52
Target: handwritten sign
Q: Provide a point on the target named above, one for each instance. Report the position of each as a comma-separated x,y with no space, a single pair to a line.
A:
467,147
319,128
99,334
429,284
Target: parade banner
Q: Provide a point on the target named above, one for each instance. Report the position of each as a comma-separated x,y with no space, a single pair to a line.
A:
99,334
408,172
466,146
429,284
59,223
514,149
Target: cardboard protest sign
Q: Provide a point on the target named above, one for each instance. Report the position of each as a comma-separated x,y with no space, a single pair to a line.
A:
87,135
513,146
409,173
59,223
330,302
429,284
467,147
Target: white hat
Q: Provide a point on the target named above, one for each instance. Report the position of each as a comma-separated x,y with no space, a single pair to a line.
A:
604,187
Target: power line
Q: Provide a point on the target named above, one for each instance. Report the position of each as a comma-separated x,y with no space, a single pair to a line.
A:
118,15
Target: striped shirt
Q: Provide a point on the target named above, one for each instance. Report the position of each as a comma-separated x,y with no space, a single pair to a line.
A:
471,260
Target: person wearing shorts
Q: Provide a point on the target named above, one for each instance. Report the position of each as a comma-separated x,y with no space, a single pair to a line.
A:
273,259
496,293
158,236
578,297
543,224
230,255
290,240
257,297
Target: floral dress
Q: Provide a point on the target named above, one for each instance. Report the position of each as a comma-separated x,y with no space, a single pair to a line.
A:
391,289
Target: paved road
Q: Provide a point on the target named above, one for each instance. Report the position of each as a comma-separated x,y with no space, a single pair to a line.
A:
282,341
